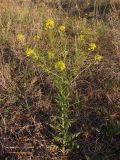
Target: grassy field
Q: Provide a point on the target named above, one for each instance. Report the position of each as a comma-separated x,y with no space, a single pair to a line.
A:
59,80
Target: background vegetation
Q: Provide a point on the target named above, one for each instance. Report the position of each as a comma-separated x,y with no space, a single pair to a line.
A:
30,93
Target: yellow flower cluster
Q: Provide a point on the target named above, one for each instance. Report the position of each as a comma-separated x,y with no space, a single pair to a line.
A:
49,24
97,58
82,37
20,37
60,66
92,47
31,53
50,55
36,38
62,29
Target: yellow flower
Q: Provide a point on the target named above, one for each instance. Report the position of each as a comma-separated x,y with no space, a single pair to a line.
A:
60,66
97,58
20,37
36,38
82,37
49,24
51,55
31,53
92,47
62,29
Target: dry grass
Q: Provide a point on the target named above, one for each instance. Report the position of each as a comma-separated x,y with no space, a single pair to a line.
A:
26,93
